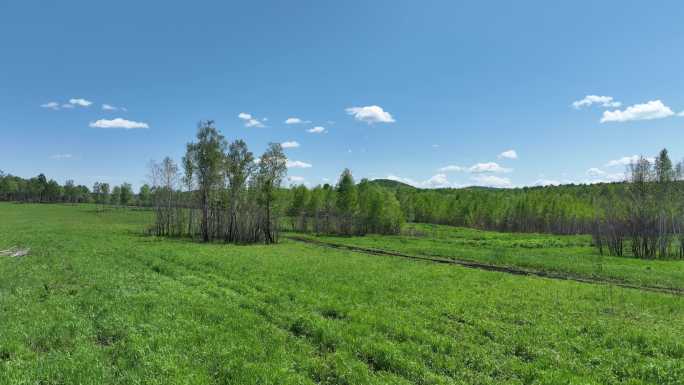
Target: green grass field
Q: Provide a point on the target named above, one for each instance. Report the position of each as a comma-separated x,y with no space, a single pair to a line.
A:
567,255
96,302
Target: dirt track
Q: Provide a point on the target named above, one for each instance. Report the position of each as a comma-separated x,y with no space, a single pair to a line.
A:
488,267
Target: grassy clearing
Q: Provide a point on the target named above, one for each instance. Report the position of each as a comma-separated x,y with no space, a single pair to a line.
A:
97,303
572,255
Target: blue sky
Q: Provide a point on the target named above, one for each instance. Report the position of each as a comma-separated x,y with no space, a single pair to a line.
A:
429,92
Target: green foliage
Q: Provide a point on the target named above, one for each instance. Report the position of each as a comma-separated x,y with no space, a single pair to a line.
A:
237,198
568,255
347,199
40,189
145,195
125,194
347,209
95,303
272,170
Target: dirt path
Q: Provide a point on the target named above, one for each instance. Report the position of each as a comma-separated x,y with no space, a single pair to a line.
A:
488,267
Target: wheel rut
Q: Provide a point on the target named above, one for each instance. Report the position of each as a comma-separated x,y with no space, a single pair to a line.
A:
487,267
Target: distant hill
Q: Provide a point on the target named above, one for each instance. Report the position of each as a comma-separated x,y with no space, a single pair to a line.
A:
392,184
396,185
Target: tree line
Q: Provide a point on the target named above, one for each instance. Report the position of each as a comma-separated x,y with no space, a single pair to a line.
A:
347,209
41,190
646,218
222,192
550,209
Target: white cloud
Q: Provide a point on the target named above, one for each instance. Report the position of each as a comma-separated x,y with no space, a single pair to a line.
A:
61,156
491,181
597,175
681,113
435,146
451,167
290,144
118,123
654,109
403,180
297,164
604,101
370,114
80,102
316,130
296,121
71,104
595,172
51,105
109,107
436,181
626,161
249,120
614,177
508,154
441,181
488,167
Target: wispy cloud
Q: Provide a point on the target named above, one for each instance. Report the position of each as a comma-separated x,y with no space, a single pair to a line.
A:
596,175
118,123
297,164
51,105
654,109
109,107
491,181
435,181
61,156
295,120
370,114
478,168
626,161
290,144
508,154
488,167
604,101
595,172
74,102
316,130
451,167
80,102
250,121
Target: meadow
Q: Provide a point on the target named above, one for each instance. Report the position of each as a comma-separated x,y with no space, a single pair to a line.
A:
98,302
571,256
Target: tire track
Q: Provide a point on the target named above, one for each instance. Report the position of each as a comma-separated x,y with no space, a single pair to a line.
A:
488,267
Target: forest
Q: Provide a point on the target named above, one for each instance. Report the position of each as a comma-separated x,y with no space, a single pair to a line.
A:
221,191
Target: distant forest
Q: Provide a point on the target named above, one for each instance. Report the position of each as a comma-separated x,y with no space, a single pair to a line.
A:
642,216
